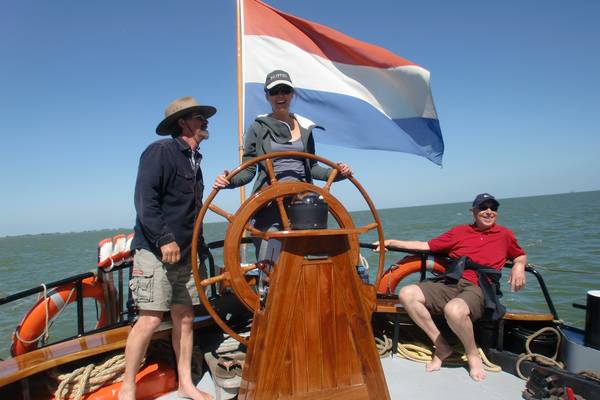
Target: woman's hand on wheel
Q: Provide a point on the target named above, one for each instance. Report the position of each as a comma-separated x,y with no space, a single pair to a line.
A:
345,169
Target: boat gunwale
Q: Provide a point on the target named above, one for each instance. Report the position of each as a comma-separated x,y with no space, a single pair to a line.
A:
44,358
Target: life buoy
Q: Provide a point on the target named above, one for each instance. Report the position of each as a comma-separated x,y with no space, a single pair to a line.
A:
34,323
114,251
408,265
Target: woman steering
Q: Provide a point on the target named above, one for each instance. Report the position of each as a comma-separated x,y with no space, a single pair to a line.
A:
278,131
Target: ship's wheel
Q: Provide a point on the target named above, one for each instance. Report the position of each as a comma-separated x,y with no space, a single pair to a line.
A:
239,224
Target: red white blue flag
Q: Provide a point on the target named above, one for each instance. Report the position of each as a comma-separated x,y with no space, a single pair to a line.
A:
365,96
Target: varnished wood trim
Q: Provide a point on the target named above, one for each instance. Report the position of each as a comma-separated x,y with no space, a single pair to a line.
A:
350,393
388,309
39,360
516,316
315,232
391,306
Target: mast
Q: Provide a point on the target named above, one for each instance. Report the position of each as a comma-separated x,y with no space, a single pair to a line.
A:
240,87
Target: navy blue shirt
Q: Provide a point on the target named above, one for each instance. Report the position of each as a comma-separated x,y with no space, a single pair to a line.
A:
168,196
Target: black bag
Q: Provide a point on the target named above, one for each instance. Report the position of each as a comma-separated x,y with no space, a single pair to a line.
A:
489,282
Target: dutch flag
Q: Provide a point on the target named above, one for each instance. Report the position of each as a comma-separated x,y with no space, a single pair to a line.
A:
365,96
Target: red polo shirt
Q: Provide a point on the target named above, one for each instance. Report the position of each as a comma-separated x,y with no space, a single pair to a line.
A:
492,247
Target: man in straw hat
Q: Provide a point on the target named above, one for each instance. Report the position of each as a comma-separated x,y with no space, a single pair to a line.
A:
168,195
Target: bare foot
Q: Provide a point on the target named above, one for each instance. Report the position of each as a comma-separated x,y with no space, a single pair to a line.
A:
127,392
476,370
442,351
193,393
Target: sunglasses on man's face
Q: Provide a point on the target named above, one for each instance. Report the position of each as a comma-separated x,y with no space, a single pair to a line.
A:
283,89
202,119
483,207
199,117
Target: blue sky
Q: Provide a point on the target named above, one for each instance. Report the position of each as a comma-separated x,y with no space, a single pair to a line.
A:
84,84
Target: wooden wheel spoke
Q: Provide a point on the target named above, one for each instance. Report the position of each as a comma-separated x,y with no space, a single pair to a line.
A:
283,214
369,227
221,212
271,171
255,232
248,268
225,276
218,278
330,179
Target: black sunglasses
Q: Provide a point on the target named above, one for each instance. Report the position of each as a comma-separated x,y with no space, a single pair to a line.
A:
483,207
199,117
280,89
202,119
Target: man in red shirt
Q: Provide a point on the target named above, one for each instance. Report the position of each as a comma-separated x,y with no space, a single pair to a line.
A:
483,242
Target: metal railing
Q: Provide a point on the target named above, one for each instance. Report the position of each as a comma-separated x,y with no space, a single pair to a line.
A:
425,254
126,311
77,283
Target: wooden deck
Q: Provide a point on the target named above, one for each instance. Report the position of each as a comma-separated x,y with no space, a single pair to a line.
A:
408,380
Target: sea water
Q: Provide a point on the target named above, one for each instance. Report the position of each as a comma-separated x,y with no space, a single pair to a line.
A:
560,233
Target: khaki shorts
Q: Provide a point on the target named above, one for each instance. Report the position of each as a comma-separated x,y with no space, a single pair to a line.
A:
156,286
438,294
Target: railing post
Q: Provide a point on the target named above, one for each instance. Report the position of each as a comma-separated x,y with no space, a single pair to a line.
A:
120,295
544,290
423,267
79,290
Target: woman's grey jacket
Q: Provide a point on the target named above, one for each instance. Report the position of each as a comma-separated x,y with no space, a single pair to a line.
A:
257,142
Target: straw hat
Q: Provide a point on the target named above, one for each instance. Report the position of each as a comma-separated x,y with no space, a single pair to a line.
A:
177,109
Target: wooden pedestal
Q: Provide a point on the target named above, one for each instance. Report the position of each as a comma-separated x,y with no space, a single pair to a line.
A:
313,339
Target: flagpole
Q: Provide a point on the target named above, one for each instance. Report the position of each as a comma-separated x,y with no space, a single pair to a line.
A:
240,90
240,104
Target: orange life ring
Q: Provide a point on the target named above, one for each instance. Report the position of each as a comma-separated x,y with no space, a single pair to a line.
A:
408,265
33,325
151,382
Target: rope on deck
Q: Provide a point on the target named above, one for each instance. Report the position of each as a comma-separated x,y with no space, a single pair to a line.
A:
539,358
423,353
89,378
593,375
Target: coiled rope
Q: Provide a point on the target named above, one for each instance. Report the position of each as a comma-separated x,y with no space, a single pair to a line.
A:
423,353
539,358
593,375
89,378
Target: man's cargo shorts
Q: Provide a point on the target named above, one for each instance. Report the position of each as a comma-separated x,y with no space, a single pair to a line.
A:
156,286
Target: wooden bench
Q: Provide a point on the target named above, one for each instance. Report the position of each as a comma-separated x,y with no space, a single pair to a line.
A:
391,306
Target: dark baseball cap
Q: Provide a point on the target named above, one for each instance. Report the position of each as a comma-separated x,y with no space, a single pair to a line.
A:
483,197
277,77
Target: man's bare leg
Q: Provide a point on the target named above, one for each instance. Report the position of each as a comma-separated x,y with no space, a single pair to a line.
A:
413,300
183,341
457,315
135,349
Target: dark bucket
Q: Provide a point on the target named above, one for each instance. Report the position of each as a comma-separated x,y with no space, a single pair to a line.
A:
592,320
308,211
